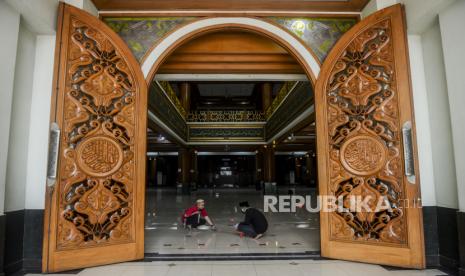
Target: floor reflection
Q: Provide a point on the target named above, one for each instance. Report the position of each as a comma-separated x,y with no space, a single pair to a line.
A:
164,234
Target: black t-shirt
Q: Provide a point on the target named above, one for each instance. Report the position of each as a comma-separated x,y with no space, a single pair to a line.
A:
256,219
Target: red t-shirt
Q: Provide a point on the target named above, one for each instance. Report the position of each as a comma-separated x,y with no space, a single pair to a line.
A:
190,211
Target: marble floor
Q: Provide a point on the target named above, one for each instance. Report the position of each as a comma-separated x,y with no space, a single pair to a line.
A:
249,268
291,232
287,233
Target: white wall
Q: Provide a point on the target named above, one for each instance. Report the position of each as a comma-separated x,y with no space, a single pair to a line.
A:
9,28
19,125
376,5
452,23
423,130
85,5
32,97
439,118
39,122
422,14
40,15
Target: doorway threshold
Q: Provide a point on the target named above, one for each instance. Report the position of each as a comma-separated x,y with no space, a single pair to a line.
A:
307,255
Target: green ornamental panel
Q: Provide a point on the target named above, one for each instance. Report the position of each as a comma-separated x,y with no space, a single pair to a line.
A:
320,34
142,33
230,133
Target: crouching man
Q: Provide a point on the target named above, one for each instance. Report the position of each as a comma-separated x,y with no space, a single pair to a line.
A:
197,215
254,224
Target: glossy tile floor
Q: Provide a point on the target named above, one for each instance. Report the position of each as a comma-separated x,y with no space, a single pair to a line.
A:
249,268
288,232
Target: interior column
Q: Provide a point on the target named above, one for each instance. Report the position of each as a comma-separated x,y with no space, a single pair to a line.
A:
269,170
266,95
193,172
453,43
309,169
152,164
298,171
258,169
183,171
9,28
185,88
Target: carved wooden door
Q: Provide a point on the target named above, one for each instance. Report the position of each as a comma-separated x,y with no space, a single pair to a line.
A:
366,146
95,210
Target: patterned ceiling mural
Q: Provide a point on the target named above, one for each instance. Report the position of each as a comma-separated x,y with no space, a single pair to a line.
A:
141,33
320,34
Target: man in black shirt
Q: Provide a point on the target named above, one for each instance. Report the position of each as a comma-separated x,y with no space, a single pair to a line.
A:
254,224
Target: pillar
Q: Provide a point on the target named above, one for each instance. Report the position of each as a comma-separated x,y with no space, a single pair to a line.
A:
185,88
193,170
187,170
298,170
267,95
9,28
308,172
211,173
183,171
258,169
269,176
453,45
153,171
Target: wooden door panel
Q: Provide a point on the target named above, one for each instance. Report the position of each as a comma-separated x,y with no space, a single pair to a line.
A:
364,100
95,211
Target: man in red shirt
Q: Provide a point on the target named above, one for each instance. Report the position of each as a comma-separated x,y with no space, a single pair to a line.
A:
197,215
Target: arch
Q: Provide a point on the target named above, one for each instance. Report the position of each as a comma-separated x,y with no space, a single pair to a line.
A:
155,57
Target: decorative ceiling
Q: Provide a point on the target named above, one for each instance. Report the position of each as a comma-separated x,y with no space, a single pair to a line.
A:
226,90
212,126
222,95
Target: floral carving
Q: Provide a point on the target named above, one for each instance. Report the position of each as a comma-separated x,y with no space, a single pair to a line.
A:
97,162
364,139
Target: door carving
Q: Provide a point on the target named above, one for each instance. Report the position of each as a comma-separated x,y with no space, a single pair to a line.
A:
97,202
365,136
365,98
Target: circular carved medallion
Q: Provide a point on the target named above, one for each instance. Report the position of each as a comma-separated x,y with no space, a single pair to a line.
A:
363,155
99,156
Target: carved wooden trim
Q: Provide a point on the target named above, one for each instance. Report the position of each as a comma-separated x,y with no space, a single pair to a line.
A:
237,5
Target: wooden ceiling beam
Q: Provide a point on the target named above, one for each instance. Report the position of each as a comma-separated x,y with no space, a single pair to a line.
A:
232,52
230,68
232,5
